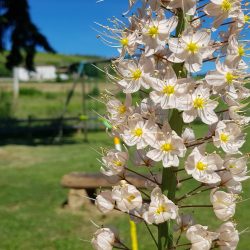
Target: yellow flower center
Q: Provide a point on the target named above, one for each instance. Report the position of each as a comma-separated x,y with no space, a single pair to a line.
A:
232,166
118,163
130,198
138,132
124,41
199,103
136,74
226,5
201,166
224,137
166,147
192,47
168,90
161,209
122,109
153,31
230,77
241,51
246,18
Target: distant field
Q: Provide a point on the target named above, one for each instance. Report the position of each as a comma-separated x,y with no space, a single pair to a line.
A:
48,99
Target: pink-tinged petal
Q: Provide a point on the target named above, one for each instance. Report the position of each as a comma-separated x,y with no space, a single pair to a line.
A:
133,86
190,7
189,116
193,62
157,84
175,45
202,37
215,78
208,116
171,24
184,102
178,58
212,9
219,20
156,96
155,155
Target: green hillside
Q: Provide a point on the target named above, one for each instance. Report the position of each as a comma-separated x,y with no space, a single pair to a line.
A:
48,59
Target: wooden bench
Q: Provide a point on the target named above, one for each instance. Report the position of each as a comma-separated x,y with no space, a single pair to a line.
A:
86,184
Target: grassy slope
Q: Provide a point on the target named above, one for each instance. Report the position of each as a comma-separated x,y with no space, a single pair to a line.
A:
30,213
48,59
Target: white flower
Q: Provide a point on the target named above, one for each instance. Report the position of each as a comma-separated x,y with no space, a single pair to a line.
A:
128,43
188,6
127,197
223,204
237,168
104,201
139,132
229,137
119,111
203,167
184,221
167,147
114,162
228,236
188,135
156,32
168,92
141,159
104,239
235,51
135,74
200,105
223,79
222,9
200,238
233,113
191,48
150,110
160,209
227,181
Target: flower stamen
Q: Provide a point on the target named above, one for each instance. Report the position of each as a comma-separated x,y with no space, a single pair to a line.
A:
201,166
226,6
124,41
168,90
138,132
153,31
136,74
199,103
224,137
167,147
192,47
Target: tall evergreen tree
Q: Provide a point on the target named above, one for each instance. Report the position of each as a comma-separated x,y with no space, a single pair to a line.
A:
16,24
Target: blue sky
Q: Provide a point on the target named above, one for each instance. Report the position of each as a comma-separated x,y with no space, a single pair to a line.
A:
68,25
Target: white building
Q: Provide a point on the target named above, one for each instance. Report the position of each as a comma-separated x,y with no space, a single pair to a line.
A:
42,73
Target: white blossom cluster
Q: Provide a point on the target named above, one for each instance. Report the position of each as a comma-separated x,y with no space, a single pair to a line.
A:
164,46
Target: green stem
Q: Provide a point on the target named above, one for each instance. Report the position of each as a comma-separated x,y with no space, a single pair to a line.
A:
169,175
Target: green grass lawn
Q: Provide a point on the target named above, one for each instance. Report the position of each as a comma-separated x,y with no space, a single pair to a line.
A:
31,216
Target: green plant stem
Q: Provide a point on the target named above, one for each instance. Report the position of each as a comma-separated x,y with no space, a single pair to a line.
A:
169,175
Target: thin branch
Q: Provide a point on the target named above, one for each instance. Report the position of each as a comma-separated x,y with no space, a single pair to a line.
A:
192,194
202,6
198,18
185,179
143,176
151,234
189,193
195,206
